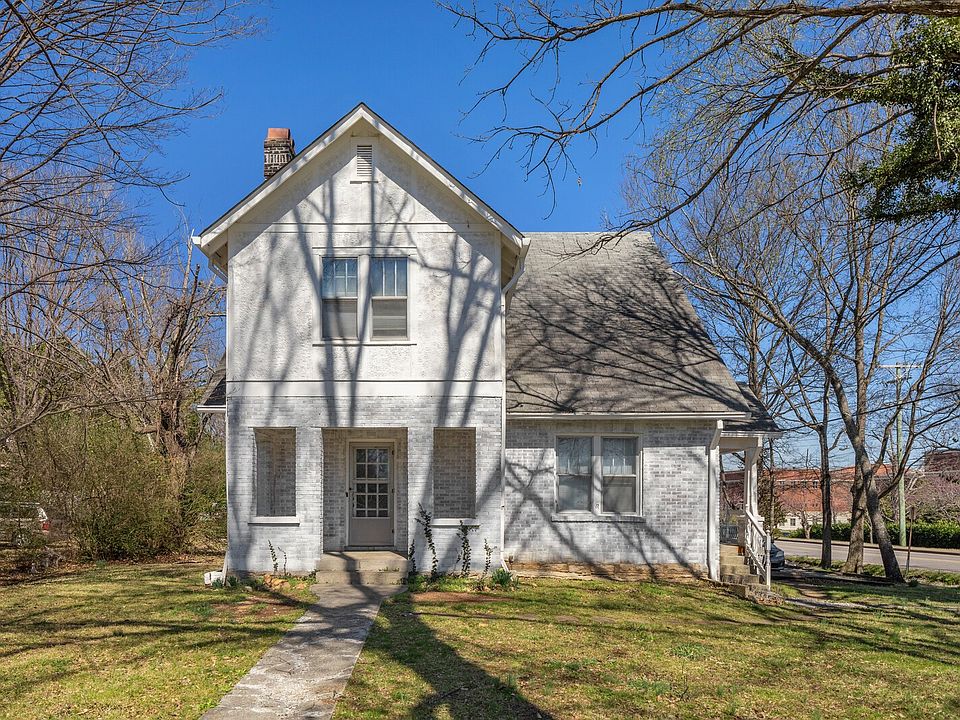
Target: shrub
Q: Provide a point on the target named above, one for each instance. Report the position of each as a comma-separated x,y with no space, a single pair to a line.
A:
114,494
503,579
936,534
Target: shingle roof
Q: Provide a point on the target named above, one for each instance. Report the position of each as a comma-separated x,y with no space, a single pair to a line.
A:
215,394
760,418
609,331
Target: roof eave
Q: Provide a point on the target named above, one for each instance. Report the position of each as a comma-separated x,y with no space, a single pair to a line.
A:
722,415
213,237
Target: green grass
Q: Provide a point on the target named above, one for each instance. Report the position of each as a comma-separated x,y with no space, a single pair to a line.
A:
597,649
132,641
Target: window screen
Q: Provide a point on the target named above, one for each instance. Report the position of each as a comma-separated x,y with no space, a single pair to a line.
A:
619,475
339,298
574,476
388,280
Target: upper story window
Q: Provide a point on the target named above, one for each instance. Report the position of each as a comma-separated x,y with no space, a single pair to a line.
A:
339,292
388,281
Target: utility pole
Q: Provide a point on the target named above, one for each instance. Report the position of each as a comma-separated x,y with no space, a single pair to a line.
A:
900,371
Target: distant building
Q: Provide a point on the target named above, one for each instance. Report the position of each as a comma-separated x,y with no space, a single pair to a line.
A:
797,490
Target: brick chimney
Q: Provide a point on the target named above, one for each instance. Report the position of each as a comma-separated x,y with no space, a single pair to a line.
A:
277,151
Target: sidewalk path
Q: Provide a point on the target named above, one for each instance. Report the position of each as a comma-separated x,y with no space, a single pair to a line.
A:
303,674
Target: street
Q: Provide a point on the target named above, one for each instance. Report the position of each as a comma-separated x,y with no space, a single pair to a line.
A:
930,559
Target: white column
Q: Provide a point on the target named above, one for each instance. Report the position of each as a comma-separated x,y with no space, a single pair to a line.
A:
750,488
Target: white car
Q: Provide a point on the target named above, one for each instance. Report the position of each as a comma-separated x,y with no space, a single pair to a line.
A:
20,523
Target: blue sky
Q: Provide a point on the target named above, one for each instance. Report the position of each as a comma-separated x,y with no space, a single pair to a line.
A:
407,61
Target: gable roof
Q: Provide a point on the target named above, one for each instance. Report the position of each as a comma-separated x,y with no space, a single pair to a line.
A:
212,238
610,332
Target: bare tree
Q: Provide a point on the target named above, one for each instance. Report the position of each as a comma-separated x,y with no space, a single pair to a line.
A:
745,71
857,292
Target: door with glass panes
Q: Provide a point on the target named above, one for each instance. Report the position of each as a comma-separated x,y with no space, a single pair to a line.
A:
371,496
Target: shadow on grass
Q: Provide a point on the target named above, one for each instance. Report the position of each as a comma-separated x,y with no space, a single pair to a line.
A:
466,690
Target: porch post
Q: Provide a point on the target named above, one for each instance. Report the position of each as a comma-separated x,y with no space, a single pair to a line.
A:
750,488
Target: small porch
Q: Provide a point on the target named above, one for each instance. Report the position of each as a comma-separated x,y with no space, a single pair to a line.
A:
743,531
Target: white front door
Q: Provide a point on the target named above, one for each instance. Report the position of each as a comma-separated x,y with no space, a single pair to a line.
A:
371,496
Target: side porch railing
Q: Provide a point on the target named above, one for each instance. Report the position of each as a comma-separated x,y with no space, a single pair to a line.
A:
757,543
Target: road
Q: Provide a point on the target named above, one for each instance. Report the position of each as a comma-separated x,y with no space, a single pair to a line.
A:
930,559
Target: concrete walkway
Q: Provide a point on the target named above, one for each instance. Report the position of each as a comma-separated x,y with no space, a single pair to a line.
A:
303,674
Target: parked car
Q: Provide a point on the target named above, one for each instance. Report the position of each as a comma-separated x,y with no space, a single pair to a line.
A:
21,523
776,557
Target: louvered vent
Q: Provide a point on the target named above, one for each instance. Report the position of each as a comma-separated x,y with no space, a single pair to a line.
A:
365,162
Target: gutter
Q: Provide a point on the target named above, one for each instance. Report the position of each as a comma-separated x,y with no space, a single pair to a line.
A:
198,241
718,416
504,298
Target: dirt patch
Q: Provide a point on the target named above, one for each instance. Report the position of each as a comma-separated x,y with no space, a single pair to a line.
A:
437,596
265,608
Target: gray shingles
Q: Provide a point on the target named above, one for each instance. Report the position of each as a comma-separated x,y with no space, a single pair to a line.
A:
610,331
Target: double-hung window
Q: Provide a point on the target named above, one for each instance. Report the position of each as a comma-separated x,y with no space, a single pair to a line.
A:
388,281
574,474
599,474
339,298
619,486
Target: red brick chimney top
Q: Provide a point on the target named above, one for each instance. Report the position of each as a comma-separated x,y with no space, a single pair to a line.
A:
278,133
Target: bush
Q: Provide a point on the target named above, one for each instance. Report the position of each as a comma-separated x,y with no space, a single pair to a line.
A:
115,495
936,534
503,579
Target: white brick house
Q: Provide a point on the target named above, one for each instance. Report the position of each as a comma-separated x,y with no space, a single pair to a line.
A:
393,342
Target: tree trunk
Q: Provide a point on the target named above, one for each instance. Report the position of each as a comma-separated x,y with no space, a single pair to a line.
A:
826,503
854,561
891,567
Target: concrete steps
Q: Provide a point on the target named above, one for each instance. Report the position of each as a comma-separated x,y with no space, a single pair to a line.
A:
362,567
734,569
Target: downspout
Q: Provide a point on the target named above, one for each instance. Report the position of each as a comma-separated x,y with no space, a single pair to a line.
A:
504,298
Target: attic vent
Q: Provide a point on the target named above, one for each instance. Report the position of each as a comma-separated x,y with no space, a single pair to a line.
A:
365,162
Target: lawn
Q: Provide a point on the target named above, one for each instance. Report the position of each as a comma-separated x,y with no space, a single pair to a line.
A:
598,649
131,641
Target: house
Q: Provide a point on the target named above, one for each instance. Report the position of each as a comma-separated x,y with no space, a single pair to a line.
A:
394,345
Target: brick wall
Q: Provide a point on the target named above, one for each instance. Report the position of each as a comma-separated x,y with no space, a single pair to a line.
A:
276,478
454,472
322,429
672,528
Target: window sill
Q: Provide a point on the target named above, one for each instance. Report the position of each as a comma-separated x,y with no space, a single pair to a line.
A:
454,522
274,520
332,341
589,517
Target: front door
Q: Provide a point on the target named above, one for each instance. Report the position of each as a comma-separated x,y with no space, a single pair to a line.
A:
371,496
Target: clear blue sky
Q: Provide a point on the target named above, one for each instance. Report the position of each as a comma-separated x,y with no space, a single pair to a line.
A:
407,61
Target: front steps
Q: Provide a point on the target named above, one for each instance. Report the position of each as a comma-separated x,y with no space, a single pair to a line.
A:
734,569
362,567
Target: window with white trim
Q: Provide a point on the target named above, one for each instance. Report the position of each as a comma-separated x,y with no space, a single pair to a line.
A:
388,281
599,474
574,474
619,480
338,292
